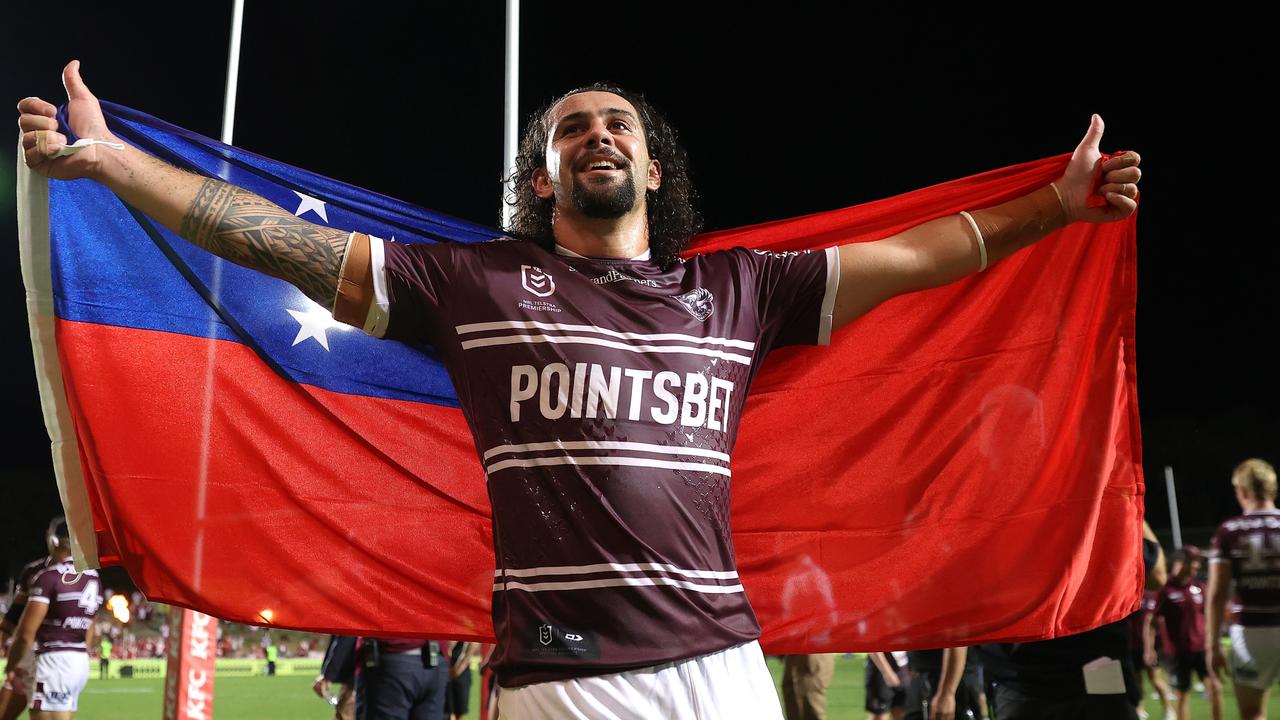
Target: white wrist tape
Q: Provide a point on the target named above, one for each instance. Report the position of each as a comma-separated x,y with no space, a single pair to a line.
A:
83,143
982,246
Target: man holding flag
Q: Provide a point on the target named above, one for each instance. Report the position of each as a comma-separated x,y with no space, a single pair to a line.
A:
603,377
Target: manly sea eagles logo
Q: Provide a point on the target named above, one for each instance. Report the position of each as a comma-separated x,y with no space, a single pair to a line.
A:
536,281
698,302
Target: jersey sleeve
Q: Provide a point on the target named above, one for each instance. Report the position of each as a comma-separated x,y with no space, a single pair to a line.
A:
43,588
796,294
395,290
1158,603
1220,546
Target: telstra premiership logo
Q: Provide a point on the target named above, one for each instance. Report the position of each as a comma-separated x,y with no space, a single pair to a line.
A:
537,281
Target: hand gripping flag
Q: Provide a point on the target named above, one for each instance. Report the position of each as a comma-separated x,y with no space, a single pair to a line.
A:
963,465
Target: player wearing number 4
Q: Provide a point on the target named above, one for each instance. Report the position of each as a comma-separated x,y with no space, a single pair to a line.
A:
58,618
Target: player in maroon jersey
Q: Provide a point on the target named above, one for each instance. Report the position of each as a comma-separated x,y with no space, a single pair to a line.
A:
1146,664
58,619
13,696
1246,549
1179,606
602,376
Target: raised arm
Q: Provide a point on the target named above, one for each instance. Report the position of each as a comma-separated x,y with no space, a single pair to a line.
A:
227,221
944,250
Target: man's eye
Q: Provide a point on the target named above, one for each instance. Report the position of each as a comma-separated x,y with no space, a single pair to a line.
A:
619,125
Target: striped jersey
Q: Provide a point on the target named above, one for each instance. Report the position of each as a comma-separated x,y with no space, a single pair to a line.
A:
1251,543
73,599
25,576
604,396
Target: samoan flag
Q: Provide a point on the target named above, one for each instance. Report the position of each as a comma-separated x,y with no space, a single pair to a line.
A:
963,465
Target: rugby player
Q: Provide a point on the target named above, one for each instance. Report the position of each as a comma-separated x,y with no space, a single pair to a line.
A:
1180,606
1246,549
602,376
886,680
13,697
58,618
1148,663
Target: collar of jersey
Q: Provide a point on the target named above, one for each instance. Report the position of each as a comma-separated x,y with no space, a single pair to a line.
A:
562,250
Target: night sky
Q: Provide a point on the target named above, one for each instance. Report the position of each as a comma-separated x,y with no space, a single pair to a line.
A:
785,113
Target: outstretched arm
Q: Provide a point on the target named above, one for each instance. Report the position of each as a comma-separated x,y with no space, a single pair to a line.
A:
227,221
944,250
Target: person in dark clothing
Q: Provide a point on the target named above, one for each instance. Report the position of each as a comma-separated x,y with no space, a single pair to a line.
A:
886,685
339,666
1079,676
944,685
458,695
400,679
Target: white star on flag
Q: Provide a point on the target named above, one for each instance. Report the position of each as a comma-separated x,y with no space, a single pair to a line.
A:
310,203
313,322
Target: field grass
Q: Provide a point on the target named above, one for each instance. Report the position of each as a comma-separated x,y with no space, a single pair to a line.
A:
287,697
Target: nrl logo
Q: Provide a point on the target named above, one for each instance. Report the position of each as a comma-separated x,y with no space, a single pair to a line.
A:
536,281
544,634
698,302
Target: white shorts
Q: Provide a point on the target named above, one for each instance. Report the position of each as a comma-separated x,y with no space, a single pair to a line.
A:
60,676
733,684
1255,656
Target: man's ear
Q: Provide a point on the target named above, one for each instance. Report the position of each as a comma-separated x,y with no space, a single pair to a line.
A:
542,184
655,175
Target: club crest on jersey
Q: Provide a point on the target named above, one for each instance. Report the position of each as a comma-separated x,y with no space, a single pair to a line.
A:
544,634
537,281
699,303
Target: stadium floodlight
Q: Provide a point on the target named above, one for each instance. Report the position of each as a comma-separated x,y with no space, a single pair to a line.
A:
119,605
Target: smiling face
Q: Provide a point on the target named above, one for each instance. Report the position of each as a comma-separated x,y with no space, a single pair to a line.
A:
597,162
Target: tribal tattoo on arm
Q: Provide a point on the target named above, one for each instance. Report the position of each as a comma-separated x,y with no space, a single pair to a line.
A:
249,230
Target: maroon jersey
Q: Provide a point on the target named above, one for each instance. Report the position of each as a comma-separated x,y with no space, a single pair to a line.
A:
604,396
1138,619
1251,543
1182,607
25,576
73,600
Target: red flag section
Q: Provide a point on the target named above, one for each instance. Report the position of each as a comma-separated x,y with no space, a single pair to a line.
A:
963,465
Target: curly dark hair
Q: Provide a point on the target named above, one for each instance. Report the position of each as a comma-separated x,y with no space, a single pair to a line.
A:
673,219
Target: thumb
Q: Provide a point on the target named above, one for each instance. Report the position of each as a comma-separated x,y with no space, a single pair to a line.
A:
76,89
1093,138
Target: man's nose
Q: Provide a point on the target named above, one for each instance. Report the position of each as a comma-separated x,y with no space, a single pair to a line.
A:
598,134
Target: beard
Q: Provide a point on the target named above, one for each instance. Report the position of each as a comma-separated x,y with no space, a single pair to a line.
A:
605,202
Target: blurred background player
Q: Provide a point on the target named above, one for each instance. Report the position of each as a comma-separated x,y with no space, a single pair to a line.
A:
805,679
457,696
1246,549
13,697
339,666
943,685
1179,606
887,678
1047,680
58,618
1151,670
273,654
104,658
400,679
